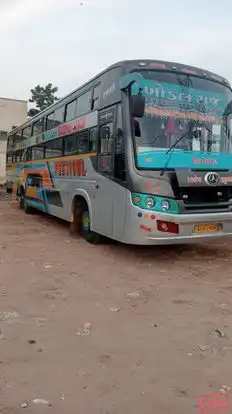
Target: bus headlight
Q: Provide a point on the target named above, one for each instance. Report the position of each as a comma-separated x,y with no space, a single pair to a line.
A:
165,205
150,202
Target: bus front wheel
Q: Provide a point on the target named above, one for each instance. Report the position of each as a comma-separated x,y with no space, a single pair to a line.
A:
81,224
89,235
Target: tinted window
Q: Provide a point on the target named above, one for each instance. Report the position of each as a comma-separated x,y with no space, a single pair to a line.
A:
50,121
105,158
119,139
10,142
59,116
9,158
119,161
93,140
27,132
37,127
18,156
83,142
70,145
84,103
70,111
54,148
96,97
34,181
38,152
17,137
106,136
27,155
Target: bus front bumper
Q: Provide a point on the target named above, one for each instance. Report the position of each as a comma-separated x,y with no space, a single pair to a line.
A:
152,228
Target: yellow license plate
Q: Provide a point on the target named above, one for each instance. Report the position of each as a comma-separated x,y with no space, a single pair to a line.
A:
206,228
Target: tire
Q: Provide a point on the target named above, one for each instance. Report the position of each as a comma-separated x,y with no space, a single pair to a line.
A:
75,226
27,209
89,235
81,224
21,201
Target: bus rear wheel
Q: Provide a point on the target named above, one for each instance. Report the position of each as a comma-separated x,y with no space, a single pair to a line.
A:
23,205
8,190
21,200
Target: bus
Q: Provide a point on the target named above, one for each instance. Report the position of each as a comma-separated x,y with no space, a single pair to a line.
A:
140,154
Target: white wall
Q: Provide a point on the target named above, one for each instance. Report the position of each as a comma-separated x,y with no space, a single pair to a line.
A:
2,161
12,112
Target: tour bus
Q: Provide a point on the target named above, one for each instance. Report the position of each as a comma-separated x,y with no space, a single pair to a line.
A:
141,154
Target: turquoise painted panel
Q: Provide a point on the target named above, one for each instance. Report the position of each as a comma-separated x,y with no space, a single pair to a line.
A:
35,166
35,204
157,159
169,95
174,208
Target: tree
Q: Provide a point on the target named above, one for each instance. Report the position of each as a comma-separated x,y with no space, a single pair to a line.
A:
43,96
32,112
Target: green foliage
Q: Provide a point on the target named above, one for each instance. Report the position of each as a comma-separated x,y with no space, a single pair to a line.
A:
43,96
32,112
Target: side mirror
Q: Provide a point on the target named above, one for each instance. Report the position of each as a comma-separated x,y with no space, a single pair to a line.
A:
137,106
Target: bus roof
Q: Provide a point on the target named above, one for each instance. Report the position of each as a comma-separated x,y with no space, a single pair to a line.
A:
128,66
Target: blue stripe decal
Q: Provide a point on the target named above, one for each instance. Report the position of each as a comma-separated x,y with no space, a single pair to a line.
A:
158,159
43,196
35,204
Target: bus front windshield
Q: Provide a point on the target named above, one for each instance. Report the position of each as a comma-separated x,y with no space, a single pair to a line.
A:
185,112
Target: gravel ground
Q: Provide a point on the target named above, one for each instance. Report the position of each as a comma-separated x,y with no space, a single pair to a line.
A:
109,329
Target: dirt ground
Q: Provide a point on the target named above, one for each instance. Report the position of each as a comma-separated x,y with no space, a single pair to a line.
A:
109,329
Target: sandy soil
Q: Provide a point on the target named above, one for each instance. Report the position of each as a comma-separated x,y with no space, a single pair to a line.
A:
109,329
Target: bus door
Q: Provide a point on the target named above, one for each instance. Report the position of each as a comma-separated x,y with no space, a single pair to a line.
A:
110,196
34,193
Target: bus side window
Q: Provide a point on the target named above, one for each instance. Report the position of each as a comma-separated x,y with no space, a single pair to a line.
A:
38,181
120,163
93,140
34,181
18,156
26,155
106,137
9,158
106,150
83,142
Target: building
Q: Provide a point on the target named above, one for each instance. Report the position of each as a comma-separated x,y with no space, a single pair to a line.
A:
13,112
2,157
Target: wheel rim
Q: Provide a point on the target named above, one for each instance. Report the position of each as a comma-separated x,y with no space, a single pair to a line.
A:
85,222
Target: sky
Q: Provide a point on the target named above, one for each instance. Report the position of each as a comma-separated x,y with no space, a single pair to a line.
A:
66,42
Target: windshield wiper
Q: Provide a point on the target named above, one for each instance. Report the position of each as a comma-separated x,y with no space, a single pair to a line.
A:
177,141
170,149
193,124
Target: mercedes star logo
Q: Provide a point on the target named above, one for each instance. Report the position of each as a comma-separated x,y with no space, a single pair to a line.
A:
212,178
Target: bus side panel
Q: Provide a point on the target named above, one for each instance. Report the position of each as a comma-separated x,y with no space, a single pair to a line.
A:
69,176
60,181
13,177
